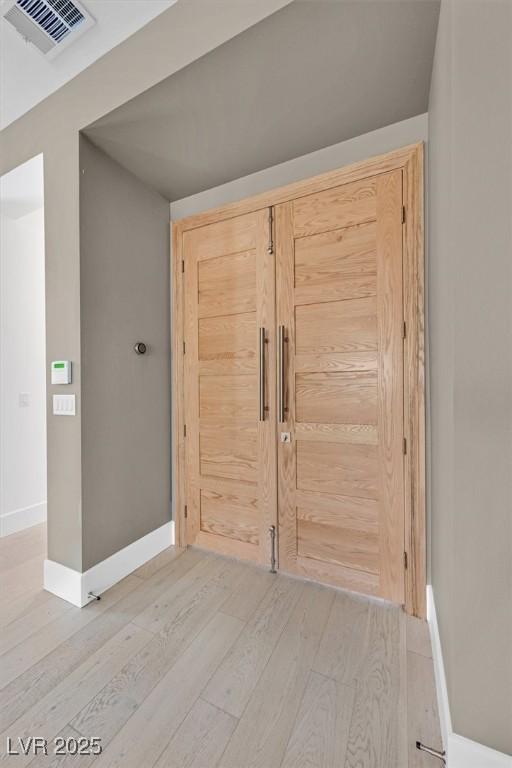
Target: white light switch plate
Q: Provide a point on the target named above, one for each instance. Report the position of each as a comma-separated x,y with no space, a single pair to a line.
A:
64,405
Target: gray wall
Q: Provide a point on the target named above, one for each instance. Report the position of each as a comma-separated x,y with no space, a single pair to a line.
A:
124,298
336,156
470,210
177,37
225,116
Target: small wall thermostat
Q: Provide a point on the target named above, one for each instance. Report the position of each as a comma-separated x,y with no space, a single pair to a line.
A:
61,372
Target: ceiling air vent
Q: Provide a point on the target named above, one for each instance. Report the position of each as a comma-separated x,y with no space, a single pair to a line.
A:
50,25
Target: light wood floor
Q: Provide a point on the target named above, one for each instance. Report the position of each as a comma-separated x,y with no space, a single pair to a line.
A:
195,661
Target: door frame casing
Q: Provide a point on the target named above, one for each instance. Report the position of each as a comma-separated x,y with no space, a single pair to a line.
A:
410,160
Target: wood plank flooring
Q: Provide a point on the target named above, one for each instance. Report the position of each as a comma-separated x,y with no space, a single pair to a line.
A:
199,661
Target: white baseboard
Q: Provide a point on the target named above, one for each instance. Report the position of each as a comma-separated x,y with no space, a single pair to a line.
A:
18,519
443,705
74,586
460,752
63,582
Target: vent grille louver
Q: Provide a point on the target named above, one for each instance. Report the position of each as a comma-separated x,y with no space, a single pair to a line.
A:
48,23
56,25
67,10
29,30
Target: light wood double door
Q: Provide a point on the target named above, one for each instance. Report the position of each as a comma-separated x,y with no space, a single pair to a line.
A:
293,385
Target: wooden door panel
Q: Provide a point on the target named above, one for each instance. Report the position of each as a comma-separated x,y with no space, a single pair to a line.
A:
362,434
233,397
346,468
230,454
335,544
345,206
338,529
228,338
230,515
234,235
227,285
337,326
351,512
354,579
338,264
340,361
339,277
336,398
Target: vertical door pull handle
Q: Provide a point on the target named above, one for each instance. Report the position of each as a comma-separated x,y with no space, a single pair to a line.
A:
272,531
262,374
281,394
270,246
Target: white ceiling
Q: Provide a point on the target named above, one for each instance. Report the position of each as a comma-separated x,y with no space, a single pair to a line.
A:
27,78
